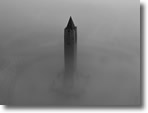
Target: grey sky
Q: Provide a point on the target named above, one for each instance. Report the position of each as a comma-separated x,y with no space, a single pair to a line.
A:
108,49
97,20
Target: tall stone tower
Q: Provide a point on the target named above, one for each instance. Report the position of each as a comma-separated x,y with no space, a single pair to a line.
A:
70,47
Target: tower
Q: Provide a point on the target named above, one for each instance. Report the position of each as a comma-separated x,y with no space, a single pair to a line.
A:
69,83
70,47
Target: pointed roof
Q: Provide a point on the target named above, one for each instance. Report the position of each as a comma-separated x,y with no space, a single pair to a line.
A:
70,24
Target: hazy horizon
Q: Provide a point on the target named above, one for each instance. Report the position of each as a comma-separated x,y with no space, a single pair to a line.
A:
32,47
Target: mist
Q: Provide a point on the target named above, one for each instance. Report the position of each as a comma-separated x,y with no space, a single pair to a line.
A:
32,51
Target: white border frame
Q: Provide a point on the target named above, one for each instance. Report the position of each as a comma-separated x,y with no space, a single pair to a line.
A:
106,110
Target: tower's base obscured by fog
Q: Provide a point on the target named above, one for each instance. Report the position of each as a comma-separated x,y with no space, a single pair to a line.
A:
71,86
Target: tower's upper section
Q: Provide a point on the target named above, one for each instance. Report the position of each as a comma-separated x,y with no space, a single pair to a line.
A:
70,33
70,24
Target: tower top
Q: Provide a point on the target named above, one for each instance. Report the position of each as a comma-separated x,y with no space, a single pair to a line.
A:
70,24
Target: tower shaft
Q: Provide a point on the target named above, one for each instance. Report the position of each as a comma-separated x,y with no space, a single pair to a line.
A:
70,47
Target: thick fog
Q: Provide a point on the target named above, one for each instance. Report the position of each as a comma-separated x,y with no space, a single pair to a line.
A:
32,51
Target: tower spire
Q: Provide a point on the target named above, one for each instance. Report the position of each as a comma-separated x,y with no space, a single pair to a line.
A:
70,24
70,47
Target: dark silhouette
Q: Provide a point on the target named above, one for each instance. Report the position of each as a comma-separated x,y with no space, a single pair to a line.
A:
69,84
66,80
70,47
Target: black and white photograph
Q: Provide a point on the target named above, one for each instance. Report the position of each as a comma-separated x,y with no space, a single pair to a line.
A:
70,53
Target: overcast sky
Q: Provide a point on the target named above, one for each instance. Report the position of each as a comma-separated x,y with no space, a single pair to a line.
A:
108,49
44,21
